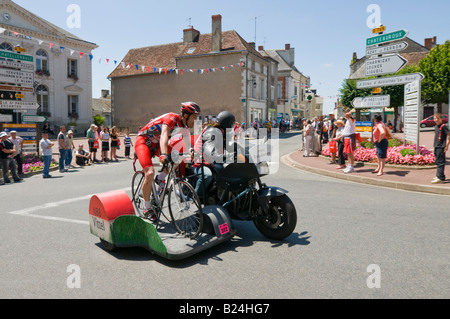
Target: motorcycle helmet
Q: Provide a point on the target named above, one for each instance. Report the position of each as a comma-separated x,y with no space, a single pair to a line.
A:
226,119
190,108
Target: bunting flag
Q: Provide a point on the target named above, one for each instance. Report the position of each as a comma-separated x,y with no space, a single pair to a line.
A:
129,66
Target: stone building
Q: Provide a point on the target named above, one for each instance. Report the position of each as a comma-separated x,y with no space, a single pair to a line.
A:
219,70
61,80
291,87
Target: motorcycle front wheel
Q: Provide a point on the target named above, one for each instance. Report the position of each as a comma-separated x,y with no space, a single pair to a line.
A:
281,219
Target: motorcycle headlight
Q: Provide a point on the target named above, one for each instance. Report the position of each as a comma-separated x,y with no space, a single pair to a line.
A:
263,168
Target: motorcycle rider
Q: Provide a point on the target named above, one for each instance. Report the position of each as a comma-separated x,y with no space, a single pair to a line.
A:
153,140
210,147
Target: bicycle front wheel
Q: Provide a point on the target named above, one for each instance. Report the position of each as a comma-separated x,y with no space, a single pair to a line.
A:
185,209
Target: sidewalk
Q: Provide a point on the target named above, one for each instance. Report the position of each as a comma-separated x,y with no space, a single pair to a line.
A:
404,178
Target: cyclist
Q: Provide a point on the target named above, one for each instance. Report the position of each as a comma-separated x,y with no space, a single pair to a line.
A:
153,140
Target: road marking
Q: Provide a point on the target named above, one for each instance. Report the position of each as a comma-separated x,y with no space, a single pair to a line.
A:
28,211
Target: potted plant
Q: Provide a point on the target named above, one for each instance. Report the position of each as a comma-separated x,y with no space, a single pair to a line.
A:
43,72
74,116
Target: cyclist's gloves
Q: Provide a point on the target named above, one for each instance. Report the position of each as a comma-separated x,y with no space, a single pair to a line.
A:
165,159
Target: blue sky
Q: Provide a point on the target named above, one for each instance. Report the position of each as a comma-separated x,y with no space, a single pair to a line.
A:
324,33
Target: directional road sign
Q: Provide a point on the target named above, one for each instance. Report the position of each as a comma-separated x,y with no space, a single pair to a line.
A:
389,81
18,105
16,56
388,37
34,119
17,77
372,101
388,48
385,65
14,88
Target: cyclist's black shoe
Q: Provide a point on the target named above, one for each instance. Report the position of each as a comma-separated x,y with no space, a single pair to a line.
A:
150,215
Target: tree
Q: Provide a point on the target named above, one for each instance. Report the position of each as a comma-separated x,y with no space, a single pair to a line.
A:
349,92
436,69
99,120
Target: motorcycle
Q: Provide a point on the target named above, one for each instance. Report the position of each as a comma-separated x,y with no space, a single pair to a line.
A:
239,189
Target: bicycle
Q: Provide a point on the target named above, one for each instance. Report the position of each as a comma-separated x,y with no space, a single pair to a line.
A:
184,205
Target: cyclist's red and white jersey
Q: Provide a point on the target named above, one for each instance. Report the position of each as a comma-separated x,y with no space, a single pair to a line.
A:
153,129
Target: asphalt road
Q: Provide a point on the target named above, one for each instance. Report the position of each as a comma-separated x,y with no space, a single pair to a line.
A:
349,237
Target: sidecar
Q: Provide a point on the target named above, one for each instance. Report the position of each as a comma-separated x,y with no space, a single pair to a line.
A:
112,218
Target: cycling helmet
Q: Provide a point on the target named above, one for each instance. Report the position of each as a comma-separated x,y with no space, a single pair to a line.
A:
226,119
190,108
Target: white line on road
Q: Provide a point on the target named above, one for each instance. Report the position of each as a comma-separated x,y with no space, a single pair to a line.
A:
28,211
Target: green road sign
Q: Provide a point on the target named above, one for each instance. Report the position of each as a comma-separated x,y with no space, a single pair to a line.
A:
20,57
34,119
388,37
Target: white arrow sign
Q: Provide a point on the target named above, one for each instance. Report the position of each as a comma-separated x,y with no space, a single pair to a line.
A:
18,105
389,48
372,101
385,65
389,81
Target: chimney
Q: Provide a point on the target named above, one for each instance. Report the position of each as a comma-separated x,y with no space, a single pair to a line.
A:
216,33
252,44
190,35
430,43
287,46
261,48
105,93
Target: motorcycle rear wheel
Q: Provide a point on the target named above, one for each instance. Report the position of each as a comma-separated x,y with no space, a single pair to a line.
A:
281,219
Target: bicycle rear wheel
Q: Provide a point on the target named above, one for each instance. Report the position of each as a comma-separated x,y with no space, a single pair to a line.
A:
185,209
136,190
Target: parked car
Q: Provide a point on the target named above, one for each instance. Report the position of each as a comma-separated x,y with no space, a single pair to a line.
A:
429,122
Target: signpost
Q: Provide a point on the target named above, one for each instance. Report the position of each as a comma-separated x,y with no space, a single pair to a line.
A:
389,81
388,37
18,105
13,88
385,65
392,64
26,131
372,101
385,49
411,112
17,77
16,56
364,129
34,119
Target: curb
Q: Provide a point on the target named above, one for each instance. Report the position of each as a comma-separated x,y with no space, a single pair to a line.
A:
287,160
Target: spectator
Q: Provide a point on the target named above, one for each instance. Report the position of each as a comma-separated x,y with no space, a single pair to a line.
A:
18,143
381,144
104,136
308,133
340,143
114,143
47,128
441,144
349,134
46,146
70,148
92,136
82,157
332,134
62,146
128,143
7,149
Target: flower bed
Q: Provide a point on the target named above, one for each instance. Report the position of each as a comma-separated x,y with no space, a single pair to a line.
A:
396,155
34,163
